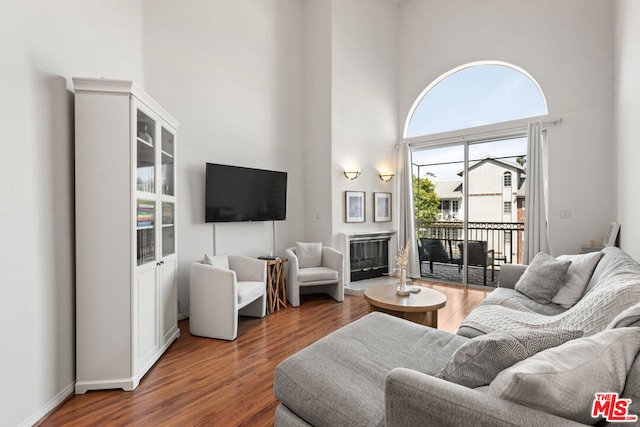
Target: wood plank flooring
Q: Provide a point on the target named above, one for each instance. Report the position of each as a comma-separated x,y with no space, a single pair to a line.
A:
207,382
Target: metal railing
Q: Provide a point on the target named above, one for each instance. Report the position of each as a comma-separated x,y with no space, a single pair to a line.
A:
505,238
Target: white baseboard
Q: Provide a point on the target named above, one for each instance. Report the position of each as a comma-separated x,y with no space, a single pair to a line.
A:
49,406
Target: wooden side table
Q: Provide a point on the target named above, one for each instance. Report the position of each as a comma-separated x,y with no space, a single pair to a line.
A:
276,291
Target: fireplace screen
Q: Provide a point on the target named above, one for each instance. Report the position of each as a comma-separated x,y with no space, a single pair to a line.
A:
369,258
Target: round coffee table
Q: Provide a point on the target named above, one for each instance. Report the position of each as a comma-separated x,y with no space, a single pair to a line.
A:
419,308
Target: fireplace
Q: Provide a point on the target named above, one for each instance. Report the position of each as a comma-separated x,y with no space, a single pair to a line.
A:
368,258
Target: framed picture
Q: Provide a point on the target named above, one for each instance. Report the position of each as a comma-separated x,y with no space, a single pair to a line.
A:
354,209
612,234
381,207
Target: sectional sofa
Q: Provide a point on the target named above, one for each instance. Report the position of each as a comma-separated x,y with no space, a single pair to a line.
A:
520,358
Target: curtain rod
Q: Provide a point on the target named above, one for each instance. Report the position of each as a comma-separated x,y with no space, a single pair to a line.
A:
480,135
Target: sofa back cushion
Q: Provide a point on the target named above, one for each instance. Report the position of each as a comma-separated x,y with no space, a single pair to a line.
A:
577,279
613,259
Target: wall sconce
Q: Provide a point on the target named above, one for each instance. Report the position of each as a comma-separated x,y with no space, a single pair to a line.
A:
386,176
352,174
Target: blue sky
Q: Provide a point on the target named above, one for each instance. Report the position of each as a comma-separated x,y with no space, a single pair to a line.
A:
474,96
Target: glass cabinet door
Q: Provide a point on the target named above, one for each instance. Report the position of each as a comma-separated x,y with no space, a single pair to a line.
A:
168,227
168,180
145,161
145,228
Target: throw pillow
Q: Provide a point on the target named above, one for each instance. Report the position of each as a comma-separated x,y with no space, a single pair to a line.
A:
542,278
563,380
309,254
220,261
480,359
578,276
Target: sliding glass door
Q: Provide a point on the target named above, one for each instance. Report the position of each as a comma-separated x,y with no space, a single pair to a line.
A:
469,206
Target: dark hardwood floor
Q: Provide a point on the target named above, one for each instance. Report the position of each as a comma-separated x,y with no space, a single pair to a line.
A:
207,382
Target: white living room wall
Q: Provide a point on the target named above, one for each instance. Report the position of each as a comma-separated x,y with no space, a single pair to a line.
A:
568,48
627,126
318,201
231,73
43,45
364,108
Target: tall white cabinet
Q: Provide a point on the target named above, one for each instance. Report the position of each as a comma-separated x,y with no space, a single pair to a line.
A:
126,258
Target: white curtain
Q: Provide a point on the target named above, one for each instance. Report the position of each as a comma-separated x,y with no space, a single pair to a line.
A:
536,233
407,232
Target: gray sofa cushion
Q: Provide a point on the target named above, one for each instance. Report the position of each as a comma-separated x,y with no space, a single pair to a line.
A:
613,259
543,278
339,380
577,279
564,380
477,362
632,387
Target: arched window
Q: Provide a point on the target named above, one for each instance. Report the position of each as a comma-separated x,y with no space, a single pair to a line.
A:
474,95
506,179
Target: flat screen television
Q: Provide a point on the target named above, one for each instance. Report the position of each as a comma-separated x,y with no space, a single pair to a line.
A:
235,193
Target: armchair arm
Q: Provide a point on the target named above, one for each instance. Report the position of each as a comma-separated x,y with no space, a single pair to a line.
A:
414,398
510,274
290,253
332,258
213,293
248,269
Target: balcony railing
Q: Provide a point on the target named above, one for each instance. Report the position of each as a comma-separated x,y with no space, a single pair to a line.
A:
505,238
504,244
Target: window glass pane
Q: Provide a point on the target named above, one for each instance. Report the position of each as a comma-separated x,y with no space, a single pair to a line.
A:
475,96
507,179
145,170
145,223
167,163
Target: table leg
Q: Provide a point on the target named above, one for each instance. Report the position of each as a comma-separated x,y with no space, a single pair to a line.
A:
281,294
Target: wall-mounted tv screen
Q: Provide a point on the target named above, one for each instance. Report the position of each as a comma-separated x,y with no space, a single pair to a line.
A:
235,193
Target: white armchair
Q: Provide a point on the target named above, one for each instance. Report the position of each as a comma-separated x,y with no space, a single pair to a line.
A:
223,287
314,268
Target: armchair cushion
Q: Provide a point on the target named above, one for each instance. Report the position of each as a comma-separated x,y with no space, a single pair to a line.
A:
315,274
220,261
309,254
249,291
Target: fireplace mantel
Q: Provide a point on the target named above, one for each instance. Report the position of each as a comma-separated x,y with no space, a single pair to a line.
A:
369,235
